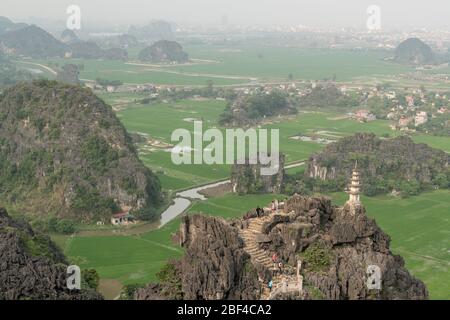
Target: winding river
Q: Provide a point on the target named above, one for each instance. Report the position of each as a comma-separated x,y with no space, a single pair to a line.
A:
183,199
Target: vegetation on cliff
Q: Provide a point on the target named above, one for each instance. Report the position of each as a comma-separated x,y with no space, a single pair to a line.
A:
164,51
63,152
32,41
414,51
34,268
386,165
10,74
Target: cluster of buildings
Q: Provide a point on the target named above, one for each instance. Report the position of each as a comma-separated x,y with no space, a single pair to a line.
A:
407,110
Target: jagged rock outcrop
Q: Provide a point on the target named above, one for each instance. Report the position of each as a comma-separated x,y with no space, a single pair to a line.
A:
414,51
215,266
164,51
336,246
64,152
247,178
31,266
385,164
149,292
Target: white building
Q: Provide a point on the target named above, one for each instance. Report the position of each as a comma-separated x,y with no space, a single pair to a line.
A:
420,118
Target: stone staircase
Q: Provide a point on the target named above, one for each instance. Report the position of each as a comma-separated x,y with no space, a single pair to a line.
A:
258,255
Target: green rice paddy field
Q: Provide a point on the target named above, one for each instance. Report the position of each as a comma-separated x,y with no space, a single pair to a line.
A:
242,64
160,120
419,226
136,259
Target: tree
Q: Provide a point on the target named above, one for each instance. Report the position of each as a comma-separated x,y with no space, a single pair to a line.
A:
91,278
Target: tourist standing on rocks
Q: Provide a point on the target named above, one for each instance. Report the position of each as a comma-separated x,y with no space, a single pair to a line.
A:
270,285
280,266
274,260
259,212
273,207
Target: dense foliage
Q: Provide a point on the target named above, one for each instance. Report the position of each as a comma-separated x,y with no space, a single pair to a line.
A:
32,41
386,165
252,108
10,74
64,153
169,277
414,51
325,96
164,51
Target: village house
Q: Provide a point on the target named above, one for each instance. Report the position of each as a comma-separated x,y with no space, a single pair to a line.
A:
122,219
442,110
410,101
421,118
390,95
391,116
364,115
404,121
110,89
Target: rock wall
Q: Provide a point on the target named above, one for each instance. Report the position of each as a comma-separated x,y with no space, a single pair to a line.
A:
31,266
383,163
336,245
247,179
215,266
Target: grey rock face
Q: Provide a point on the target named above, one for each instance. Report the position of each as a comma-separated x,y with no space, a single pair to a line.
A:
215,266
31,266
336,245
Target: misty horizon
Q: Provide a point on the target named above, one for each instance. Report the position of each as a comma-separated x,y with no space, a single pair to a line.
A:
322,13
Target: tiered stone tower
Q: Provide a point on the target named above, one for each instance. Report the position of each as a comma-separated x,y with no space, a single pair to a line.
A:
355,188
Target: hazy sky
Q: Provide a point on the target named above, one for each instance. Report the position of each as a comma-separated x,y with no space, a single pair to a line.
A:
394,13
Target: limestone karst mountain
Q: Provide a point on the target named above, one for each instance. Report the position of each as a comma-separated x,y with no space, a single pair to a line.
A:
31,41
91,50
64,152
335,247
247,178
164,51
7,25
32,267
385,164
69,36
414,51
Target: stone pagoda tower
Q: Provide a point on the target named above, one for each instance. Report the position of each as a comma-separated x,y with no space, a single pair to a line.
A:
355,188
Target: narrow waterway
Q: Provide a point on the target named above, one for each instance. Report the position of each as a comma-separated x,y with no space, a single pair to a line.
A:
184,198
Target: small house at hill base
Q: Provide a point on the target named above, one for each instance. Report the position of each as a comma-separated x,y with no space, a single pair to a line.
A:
121,219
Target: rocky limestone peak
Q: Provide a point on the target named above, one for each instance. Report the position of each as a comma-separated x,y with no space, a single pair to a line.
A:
336,247
31,266
215,265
